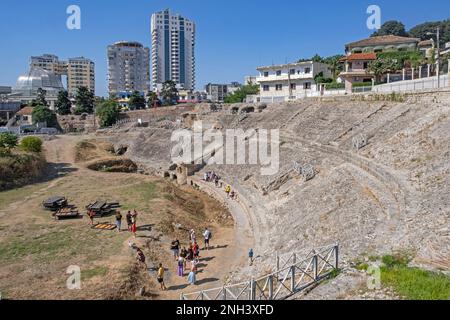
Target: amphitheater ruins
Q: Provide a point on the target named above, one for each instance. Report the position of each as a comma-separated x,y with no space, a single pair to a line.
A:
369,172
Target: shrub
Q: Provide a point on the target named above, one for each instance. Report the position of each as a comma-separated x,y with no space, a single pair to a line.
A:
8,141
31,144
108,112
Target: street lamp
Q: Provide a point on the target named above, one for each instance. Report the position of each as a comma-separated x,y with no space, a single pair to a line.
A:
437,34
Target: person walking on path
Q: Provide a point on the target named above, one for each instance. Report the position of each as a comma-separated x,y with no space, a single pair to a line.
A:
192,236
129,220
227,191
250,257
141,257
181,266
160,277
184,254
192,278
207,235
196,249
134,222
175,247
118,221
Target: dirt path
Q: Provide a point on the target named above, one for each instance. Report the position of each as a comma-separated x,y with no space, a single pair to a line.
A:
217,264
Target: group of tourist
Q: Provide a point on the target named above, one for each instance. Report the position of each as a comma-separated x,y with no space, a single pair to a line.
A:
131,218
211,176
190,255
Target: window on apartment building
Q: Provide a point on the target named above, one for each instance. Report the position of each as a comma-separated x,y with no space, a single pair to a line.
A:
293,86
366,65
278,73
307,70
266,74
279,87
292,71
266,87
307,85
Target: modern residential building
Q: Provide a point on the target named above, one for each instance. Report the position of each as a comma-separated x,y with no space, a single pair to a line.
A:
128,67
250,80
216,92
80,72
173,50
289,81
50,63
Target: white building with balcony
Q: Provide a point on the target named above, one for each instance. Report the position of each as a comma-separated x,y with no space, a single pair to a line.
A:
290,81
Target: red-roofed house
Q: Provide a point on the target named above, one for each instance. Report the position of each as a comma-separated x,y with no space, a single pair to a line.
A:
361,53
25,116
356,69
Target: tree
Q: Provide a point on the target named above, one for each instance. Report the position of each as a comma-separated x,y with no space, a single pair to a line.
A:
240,95
63,104
31,144
169,92
137,101
8,141
44,114
335,65
40,99
382,66
152,99
319,78
395,28
84,101
108,112
422,31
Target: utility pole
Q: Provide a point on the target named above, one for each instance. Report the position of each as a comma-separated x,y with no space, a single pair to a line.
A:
438,58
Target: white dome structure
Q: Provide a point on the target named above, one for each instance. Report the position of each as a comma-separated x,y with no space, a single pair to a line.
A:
38,78
28,85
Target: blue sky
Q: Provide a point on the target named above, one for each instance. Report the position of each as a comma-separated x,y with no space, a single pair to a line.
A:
233,36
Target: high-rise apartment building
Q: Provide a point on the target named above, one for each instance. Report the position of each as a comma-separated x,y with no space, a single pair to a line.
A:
80,71
128,68
50,63
173,50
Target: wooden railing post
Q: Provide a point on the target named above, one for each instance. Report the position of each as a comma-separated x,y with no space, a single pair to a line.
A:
315,267
293,278
252,290
270,287
336,256
278,262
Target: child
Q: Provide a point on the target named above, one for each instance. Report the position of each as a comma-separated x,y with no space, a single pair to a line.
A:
181,266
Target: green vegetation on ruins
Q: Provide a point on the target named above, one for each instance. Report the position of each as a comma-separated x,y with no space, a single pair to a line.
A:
411,283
